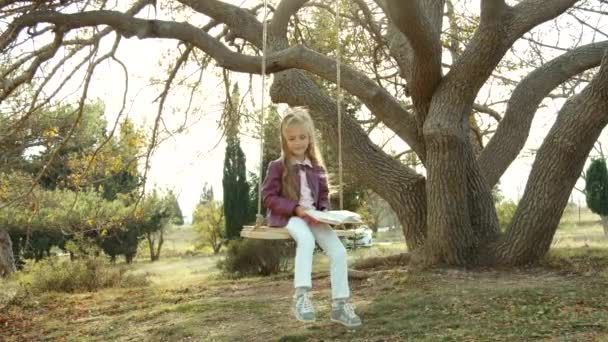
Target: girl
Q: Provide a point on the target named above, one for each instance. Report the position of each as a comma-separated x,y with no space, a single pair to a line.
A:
294,183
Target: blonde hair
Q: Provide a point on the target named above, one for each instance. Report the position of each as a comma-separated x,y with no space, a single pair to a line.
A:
297,116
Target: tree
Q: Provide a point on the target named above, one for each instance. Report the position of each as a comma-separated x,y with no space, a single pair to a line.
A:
208,221
206,194
92,159
48,218
236,188
596,190
7,260
416,77
375,211
178,217
234,181
155,214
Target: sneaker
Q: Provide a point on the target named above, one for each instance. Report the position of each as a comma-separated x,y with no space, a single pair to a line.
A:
344,313
303,309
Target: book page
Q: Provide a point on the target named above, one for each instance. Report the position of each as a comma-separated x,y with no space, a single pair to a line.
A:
335,216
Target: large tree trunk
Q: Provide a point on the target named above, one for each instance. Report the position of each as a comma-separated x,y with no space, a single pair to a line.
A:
559,162
7,261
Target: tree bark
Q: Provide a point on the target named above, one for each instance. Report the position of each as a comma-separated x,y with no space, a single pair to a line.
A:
514,128
150,239
558,164
161,240
7,260
450,236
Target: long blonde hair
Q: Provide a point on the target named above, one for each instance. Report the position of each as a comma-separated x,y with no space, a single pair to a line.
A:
297,116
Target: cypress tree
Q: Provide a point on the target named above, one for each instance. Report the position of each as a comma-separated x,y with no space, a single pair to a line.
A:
236,188
596,187
234,181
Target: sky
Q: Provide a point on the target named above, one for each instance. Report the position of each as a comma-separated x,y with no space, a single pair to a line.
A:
186,161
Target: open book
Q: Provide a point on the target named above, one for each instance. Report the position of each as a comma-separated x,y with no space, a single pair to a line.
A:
335,216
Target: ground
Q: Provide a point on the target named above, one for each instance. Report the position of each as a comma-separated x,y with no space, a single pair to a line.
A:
561,300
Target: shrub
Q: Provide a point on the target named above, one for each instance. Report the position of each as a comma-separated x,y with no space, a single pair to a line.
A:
86,274
505,211
256,257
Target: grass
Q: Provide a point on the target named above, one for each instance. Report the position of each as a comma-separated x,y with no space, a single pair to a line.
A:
580,229
562,300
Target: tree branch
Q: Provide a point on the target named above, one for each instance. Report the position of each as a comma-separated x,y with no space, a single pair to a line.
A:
378,100
242,22
424,37
514,128
8,86
492,40
531,13
557,166
492,9
285,10
487,110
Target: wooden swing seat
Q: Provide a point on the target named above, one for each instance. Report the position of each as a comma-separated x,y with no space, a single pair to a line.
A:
281,233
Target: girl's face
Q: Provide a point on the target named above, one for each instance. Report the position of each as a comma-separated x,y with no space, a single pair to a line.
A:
297,140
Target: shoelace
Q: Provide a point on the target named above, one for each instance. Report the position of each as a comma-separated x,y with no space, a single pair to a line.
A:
306,303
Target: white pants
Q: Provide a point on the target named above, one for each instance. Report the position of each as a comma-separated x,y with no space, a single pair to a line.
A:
305,238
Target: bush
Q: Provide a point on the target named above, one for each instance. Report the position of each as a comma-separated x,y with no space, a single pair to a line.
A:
86,274
505,211
257,257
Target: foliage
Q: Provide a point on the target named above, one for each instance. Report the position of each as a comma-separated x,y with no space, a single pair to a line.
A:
48,218
505,211
88,174
236,188
86,274
157,213
596,187
54,127
375,211
122,242
256,257
176,212
59,210
206,194
89,158
234,181
111,167
208,221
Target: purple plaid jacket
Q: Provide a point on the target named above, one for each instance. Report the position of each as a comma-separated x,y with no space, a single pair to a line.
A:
280,208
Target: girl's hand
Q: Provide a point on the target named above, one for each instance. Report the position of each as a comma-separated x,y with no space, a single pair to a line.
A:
311,220
301,213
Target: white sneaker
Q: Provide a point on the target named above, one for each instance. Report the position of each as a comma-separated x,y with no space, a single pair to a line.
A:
303,308
344,313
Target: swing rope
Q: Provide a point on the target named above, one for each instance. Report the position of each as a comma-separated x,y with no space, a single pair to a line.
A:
259,218
339,103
